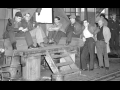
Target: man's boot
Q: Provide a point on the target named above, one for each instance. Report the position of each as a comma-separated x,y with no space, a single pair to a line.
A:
14,46
31,46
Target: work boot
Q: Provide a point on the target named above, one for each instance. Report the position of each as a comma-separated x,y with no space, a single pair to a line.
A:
14,46
68,42
31,46
37,46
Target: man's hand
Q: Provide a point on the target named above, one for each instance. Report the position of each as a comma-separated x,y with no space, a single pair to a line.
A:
21,28
24,30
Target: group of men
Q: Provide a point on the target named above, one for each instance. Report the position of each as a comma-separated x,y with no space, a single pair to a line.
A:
103,40
24,25
56,32
95,36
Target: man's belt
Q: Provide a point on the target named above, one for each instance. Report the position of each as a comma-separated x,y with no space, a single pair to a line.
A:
101,40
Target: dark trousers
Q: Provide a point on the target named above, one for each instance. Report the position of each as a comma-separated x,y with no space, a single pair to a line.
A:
71,34
88,49
114,41
51,35
27,36
58,36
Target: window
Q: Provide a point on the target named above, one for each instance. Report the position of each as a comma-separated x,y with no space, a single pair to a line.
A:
46,16
72,11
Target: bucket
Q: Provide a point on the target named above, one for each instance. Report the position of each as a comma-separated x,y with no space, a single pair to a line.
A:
57,77
31,70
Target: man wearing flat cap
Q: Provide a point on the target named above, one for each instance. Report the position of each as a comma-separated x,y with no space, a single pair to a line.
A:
17,27
73,30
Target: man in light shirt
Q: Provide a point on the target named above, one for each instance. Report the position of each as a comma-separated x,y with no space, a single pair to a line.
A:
53,29
89,46
102,44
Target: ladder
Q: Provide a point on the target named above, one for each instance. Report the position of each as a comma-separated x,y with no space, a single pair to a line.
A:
65,64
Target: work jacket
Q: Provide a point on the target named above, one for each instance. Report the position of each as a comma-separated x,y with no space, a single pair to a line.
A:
107,36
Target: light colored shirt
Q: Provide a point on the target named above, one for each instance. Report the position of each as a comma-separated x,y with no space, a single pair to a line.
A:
87,33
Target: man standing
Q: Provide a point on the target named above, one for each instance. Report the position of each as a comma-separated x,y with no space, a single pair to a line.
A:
114,28
102,44
89,46
74,29
16,26
35,30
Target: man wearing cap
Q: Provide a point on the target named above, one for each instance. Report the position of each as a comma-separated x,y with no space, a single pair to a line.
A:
115,29
16,26
102,44
74,29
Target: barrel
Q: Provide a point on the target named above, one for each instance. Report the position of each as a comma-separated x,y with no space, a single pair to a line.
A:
57,77
31,69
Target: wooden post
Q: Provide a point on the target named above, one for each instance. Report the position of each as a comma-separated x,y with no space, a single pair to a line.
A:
86,14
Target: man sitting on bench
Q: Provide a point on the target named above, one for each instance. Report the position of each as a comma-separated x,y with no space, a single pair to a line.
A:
75,29
35,30
53,30
17,26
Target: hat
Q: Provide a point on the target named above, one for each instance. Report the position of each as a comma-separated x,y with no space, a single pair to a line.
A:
18,14
73,16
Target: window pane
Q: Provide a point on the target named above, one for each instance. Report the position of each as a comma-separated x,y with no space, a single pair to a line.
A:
67,9
73,9
82,9
90,9
77,14
77,9
72,13
67,13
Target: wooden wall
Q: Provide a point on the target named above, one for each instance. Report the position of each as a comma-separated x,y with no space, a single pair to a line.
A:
4,15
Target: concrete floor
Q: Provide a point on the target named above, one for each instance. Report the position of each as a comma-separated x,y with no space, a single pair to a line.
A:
89,75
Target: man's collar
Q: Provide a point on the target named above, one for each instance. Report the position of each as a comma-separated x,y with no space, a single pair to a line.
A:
73,23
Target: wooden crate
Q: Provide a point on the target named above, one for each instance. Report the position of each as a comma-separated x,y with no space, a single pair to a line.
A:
31,71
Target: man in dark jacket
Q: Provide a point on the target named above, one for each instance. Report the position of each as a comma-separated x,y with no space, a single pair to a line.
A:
115,29
16,26
74,29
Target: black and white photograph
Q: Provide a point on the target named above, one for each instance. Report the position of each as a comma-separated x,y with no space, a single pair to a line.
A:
59,44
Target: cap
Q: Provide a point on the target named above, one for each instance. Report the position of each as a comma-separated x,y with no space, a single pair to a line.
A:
18,14
73,16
